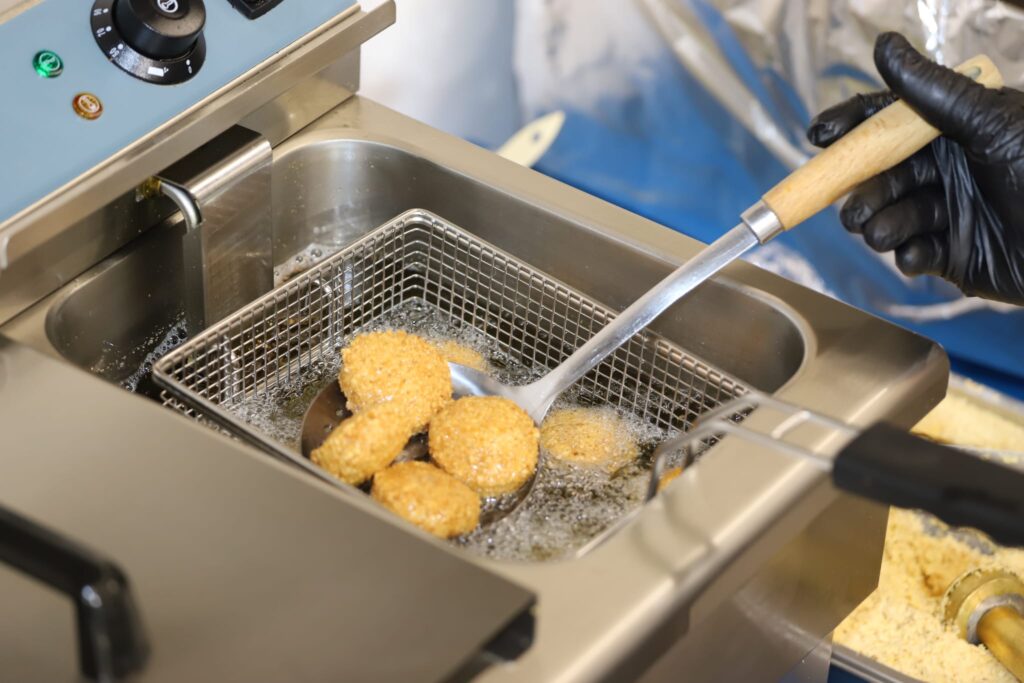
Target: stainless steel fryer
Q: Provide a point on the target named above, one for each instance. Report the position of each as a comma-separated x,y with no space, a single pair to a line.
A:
276,343
738,572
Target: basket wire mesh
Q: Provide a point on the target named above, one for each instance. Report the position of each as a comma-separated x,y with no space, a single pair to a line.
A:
266,346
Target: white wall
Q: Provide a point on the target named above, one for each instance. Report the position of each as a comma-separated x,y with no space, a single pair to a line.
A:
448,63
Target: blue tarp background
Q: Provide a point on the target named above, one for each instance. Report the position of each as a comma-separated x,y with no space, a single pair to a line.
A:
668,152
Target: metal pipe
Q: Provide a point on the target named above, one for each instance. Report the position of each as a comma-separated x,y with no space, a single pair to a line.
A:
1001,629
185,202
223,193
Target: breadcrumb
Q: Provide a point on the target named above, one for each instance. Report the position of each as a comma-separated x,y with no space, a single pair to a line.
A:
900,624
958,420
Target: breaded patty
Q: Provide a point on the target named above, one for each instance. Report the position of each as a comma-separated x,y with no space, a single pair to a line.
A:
589,436
428,497
454,352
364,444
487,442
396,367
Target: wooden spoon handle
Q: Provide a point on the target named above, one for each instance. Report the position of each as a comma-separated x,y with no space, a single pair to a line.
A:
881,142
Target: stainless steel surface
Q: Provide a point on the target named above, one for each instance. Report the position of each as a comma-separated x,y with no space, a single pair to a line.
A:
814,667
92,238
308,100
762,221
52,215
275,345
746,640
871,671
688,584
111,319
243,570
725,419
536,398
968,499
223,191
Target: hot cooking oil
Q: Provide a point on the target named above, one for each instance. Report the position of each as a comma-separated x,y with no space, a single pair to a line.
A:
569,505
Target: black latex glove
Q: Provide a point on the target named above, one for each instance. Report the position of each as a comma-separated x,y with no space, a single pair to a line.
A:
955,209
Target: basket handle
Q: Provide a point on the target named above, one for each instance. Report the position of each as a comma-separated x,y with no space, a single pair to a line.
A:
111,640
889,465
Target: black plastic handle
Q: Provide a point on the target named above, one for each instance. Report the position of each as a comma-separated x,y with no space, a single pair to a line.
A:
891,466
111,640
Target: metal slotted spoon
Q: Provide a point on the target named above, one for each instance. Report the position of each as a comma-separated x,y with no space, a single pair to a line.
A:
328,408
884,140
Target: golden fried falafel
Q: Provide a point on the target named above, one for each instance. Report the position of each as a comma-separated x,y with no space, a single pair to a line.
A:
454,352
364,444
396,367
487,442
588,436
430,498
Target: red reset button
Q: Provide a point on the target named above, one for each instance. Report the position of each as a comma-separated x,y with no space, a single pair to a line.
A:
87,105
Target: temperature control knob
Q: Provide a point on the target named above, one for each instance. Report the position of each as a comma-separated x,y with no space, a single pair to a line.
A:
159,41
161,29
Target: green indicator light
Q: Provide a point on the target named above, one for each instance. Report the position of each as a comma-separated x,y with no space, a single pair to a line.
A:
48,64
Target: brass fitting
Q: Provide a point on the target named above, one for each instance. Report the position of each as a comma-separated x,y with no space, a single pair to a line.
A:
986,606
148,189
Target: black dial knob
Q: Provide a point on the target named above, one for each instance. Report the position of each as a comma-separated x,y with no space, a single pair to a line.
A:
158,41
161,29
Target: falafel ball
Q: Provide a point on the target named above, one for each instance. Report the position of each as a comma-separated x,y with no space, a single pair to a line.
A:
588,436
487,442
454,352
364,444
397,367
428,497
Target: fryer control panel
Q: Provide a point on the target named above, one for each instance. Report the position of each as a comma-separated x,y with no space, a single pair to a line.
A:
83,79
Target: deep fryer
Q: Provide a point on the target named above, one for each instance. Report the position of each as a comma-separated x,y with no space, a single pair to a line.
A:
741,569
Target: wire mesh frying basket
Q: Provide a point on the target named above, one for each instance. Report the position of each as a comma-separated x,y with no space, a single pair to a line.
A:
268,346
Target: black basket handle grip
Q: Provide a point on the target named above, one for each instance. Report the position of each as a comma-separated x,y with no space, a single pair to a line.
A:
889,465
111,641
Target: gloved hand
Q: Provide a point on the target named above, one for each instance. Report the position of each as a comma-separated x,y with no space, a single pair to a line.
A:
955,209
